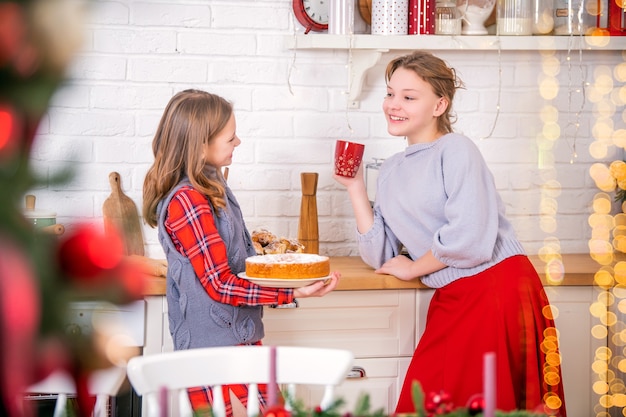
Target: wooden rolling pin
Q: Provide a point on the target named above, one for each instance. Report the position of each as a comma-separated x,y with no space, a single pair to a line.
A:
55,229
149,266
308,231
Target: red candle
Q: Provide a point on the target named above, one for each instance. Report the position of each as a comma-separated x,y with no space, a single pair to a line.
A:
163,394
489,384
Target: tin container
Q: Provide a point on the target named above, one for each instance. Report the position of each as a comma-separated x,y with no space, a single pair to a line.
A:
39,218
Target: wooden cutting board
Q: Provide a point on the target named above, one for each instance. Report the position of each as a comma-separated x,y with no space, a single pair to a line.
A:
121,216
365,10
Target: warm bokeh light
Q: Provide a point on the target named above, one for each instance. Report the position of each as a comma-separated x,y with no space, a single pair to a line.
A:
599,366
548,87
599,332
602,204
598,150
551,131
600,387
602,177
597,309
602,130
619,138
547,224
555,272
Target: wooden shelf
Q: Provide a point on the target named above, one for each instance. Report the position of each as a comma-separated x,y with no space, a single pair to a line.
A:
366,50
463,42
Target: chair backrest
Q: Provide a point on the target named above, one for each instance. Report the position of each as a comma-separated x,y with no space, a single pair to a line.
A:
103,383
176,371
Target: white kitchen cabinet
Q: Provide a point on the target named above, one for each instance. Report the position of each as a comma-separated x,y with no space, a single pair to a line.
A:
578,347
378,326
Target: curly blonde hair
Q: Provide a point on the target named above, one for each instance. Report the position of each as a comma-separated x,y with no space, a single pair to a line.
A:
191,119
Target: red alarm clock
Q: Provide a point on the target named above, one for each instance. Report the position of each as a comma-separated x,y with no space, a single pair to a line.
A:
312,14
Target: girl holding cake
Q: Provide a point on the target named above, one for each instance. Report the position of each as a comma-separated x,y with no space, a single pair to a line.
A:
203,234
437,199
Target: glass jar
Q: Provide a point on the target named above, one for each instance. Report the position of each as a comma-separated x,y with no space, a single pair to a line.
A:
514,17
371,178
543,17
569,17
447,19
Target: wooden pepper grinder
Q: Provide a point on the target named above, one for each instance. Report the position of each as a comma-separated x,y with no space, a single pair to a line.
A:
308,232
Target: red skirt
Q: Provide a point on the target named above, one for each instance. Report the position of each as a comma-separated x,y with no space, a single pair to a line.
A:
503,310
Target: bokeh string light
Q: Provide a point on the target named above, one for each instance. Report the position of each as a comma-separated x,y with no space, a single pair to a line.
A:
607,245
497,114
292,64
349,69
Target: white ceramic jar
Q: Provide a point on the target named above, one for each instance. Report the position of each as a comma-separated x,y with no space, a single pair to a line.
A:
390,17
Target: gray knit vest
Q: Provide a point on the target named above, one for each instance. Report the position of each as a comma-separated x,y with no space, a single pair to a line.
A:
195,319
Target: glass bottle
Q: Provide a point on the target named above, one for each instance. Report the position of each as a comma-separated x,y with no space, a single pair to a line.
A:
341,17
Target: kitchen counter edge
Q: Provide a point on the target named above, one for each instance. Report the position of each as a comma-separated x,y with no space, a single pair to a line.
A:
568,269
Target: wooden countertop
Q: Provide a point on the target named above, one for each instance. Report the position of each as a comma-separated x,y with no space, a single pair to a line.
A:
575,269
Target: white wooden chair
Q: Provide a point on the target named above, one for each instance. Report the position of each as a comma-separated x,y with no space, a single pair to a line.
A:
217,366
103,383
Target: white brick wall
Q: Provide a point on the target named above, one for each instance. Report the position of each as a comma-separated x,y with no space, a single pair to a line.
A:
139,53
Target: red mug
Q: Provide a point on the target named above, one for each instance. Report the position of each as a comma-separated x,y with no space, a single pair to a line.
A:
348,157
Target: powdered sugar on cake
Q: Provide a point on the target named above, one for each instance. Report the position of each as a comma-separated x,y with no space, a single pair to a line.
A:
287,258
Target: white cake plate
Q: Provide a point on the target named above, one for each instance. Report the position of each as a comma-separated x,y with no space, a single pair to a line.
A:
282,282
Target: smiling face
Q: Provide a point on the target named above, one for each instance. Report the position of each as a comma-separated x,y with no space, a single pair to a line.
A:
219,151
411,107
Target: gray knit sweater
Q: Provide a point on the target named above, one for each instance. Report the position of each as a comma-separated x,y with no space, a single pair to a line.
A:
195,319
439,196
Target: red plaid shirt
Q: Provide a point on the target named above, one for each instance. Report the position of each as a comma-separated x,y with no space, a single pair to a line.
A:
190,224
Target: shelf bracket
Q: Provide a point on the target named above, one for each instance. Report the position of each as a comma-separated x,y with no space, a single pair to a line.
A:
361,60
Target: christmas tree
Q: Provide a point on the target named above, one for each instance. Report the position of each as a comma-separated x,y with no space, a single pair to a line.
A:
41,273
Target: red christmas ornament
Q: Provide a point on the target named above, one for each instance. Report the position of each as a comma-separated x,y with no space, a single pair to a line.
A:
476,404
438,403
88,253
20,315
12,31
276,411
10,129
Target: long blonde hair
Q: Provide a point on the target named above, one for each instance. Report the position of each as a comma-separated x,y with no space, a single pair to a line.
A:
191,119
435,72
